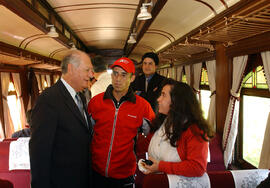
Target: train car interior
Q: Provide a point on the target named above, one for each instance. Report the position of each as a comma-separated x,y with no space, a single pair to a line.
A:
221,48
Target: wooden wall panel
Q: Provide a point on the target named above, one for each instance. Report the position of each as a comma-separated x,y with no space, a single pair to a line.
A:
223,85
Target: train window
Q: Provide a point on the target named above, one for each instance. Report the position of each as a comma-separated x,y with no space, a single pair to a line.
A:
205,101
184,78
55,78
67,33
205,92
45,85
254,96
39,82
164,72
255,79
254,123
204,77
43,82
14,106
171,73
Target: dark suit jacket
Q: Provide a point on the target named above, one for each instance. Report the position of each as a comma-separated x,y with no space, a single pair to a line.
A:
153,90
60,142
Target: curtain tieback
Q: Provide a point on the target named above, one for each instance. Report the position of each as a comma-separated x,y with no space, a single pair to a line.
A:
213,93
235,95
196,91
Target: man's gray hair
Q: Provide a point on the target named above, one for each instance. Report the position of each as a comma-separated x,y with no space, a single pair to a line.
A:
72,58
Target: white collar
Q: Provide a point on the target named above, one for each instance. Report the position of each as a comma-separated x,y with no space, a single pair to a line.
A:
69,88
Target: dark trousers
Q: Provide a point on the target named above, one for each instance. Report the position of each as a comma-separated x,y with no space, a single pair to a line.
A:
102,181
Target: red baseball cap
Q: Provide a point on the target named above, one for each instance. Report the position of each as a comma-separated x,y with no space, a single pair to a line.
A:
125,63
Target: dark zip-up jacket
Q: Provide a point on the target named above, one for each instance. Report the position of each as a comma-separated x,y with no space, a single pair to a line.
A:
153,88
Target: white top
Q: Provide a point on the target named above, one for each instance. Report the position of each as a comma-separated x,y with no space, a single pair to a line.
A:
103,81
160,147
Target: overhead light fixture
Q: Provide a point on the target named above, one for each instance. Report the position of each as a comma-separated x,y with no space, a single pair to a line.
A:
131,39
144,14
73,47
52,33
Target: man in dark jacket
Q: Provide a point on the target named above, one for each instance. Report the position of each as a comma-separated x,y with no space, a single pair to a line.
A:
61,131
148,85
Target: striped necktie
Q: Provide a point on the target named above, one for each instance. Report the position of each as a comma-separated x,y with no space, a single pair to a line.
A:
146,83
79,104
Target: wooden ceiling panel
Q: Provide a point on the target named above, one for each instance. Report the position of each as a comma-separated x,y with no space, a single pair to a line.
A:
246,23
106,35
177,18
154,40
107,43
24,35
39,46
98,21
13,28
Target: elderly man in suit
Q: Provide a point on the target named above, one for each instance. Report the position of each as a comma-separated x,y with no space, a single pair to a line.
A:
61,130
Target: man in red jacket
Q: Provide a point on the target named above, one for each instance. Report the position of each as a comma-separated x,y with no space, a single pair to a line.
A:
118,114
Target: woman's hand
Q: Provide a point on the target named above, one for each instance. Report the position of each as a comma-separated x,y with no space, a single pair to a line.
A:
152,168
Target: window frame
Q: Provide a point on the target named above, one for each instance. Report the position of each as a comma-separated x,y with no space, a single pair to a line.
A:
238,155
254,60
204,86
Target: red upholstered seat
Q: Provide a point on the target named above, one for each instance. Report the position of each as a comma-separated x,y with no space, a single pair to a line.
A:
5,184
4,154
10,139
221,179
19,178
156,181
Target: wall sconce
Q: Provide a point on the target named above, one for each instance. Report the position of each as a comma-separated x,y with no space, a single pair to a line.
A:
73,47
144,14
131,39
52,33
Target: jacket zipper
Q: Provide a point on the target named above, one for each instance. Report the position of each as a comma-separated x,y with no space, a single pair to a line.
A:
111,143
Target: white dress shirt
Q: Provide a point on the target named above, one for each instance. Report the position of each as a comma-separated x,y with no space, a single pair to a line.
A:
103,81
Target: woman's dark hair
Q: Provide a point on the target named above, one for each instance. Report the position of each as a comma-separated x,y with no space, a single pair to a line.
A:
184,111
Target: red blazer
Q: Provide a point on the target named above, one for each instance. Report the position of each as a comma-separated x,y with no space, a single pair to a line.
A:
193,152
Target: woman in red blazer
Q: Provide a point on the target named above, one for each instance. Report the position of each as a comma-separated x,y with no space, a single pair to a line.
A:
180,134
